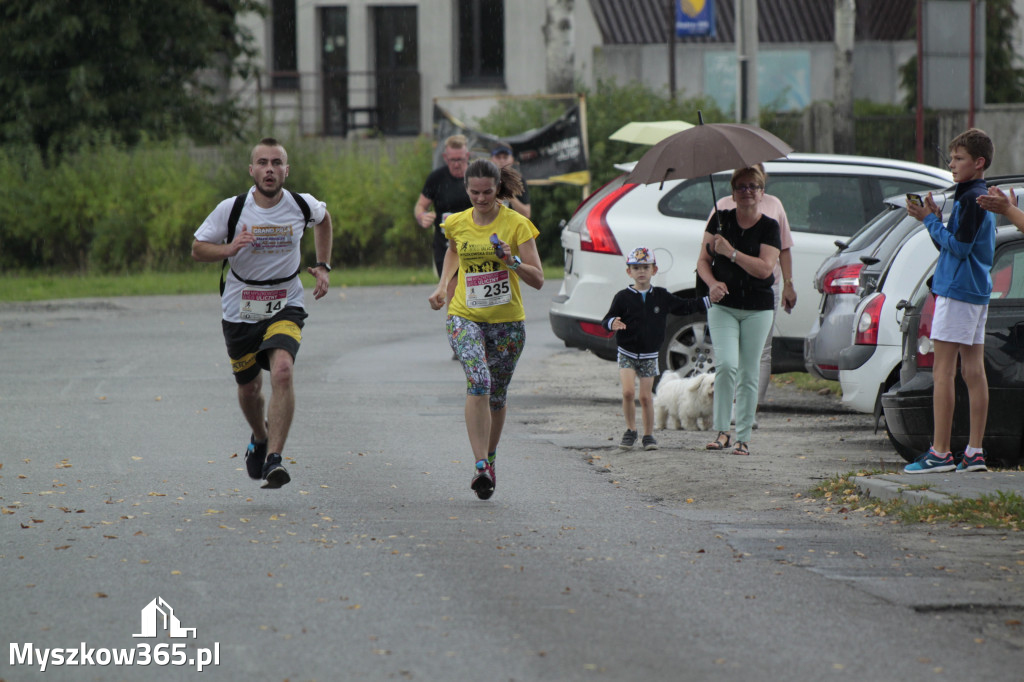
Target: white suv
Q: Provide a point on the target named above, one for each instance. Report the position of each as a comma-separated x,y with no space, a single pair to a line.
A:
827,197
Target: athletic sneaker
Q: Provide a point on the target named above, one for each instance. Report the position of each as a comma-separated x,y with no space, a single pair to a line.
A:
255,458
274,472
931,462
649,443
492,460
975,462
628,439
483,480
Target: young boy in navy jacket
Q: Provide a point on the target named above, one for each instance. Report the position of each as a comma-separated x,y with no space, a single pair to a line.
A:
962,284
637,315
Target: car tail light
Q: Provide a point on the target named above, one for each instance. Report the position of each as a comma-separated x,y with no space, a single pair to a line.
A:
843,280
925,348
597,236
595,329
867,322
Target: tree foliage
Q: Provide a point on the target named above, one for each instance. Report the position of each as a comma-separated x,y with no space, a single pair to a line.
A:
1004,77
119,69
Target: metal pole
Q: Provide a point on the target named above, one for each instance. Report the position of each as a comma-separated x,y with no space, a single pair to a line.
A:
970,64
919,117
672,49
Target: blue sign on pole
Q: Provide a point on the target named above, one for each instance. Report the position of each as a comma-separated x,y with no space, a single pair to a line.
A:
695,18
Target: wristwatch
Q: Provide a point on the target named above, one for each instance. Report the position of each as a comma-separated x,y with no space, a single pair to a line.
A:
733,256
516,262
323,265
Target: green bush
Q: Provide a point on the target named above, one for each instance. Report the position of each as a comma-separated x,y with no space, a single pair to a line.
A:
370,187
108,209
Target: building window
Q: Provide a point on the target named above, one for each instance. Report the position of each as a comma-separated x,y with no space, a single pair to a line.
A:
284,59
481,40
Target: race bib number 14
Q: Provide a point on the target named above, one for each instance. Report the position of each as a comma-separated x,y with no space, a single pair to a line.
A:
486,289
261,304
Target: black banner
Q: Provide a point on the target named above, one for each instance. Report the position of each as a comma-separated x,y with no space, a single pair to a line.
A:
554,153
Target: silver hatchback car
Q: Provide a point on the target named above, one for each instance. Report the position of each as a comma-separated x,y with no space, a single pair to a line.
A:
827,197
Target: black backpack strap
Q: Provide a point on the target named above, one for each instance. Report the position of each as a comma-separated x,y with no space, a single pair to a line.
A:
307,215
236,212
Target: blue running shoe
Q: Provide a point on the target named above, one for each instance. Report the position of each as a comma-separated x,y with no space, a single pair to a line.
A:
975,462
931,462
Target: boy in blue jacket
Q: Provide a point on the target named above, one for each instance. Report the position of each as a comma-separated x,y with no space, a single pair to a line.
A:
962,284
637,315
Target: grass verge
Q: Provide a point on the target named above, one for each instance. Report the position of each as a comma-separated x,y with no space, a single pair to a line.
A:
45,287
806,382
1002,510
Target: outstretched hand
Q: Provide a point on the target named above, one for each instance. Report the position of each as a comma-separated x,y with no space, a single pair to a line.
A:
323,282
997,201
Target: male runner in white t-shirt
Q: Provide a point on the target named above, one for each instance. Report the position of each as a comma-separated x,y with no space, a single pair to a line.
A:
262,303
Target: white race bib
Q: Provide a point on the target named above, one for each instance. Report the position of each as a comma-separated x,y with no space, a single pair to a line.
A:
261,304
486,289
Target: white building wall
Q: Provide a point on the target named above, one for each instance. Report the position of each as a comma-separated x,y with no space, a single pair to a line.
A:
649,65
436,23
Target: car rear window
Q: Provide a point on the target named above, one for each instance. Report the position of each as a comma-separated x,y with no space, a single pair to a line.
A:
1008,273
823,204
876,227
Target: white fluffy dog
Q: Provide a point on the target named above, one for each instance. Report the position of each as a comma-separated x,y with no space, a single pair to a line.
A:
688,402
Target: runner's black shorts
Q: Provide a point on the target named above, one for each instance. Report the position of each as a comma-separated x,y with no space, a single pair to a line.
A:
249,343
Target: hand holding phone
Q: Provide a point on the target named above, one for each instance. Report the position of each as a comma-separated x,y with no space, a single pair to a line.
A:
499,250
915,199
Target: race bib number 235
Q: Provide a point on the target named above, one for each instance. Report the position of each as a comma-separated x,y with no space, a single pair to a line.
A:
486,289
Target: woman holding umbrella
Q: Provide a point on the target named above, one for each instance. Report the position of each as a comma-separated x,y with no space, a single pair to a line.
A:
740,249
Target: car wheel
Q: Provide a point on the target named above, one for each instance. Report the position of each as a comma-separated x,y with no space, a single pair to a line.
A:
687,347
909,454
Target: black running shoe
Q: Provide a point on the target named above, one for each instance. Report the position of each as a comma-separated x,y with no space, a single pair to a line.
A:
274,472
483,481
255,458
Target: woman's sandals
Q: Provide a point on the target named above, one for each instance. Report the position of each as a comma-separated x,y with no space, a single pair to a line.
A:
717,443
741,448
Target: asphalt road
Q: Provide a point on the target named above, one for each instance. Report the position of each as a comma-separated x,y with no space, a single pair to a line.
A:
119,484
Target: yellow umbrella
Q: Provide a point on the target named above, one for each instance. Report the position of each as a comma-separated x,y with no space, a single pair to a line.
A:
648,132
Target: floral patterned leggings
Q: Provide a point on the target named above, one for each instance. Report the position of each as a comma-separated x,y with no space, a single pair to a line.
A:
488,353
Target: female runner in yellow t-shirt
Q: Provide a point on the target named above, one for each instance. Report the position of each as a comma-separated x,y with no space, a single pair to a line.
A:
485,325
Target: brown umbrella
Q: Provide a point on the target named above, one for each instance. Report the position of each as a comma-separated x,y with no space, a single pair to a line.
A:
706,149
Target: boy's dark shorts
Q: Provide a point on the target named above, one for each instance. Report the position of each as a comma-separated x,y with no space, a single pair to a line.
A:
643,368
248,342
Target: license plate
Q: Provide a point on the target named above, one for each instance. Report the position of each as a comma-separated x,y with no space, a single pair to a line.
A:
568,261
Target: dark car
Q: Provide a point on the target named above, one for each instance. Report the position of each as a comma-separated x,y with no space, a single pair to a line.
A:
908,405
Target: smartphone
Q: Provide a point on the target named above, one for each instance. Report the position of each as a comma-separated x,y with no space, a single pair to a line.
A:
915,199
498,250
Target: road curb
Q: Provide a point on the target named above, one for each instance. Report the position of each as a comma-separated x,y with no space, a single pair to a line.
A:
883,489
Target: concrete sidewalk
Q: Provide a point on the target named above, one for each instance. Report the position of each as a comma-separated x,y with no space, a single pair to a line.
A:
941,488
